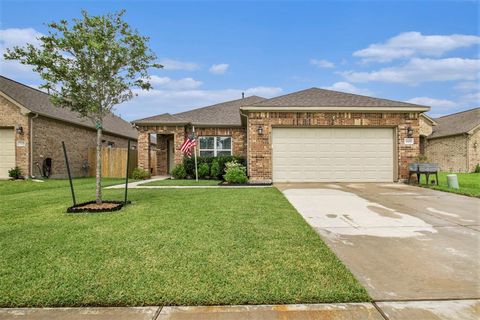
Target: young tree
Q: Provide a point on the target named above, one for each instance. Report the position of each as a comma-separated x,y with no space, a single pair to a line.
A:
90,66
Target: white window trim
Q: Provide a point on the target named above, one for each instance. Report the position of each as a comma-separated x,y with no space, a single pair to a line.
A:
215,150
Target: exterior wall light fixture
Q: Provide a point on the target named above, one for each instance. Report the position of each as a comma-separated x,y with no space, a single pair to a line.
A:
260,130
409,132
19,129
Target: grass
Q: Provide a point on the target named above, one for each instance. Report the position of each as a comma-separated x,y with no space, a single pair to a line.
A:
469,183
170,247
182,182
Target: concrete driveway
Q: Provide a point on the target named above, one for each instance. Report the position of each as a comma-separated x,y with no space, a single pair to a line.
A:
401,242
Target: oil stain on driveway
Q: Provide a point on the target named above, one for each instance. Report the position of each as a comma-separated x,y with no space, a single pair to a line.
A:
402,242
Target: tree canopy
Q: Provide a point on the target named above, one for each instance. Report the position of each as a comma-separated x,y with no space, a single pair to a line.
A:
91,65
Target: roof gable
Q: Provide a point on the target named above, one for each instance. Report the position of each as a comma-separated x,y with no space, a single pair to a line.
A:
221,114
316,97
457,123
39,102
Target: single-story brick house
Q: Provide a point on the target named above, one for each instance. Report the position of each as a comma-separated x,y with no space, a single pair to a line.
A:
455,141
32,129
306,136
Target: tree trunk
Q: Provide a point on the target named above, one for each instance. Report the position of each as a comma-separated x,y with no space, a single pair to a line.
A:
98,171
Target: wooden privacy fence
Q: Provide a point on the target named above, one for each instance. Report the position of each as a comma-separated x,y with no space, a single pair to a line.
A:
114,162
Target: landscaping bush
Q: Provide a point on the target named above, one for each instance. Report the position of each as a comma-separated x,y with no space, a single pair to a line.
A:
179,172
140,174
189,164
203,170
15,173
215,169
477,168
235,173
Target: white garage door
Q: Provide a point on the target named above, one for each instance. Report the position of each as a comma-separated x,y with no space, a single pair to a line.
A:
332,154
7,151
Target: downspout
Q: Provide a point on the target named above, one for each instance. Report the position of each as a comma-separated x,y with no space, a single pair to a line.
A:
31,144
248,142
467,140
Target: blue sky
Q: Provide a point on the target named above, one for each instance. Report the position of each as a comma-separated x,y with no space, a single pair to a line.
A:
422,52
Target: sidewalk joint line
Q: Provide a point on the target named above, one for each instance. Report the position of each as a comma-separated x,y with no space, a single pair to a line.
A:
157,313
384,316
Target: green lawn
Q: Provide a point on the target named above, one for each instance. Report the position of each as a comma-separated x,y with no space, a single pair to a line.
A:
182,182
469,183
170,247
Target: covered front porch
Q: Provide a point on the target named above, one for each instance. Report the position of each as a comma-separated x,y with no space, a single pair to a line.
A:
158,148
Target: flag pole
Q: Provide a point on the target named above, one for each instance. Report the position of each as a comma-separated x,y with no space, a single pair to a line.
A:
195,154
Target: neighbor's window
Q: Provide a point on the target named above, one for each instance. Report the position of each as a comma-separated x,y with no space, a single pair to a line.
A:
215,146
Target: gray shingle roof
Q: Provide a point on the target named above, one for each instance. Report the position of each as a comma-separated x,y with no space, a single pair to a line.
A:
223,114
162,118
39,102
457,123
315,97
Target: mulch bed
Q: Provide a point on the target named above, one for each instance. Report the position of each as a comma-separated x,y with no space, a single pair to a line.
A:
92,206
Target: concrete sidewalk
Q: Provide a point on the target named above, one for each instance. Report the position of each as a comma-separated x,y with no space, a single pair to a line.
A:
140,185
403,310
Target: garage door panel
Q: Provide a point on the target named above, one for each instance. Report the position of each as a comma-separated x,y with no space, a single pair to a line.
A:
7,151
332,154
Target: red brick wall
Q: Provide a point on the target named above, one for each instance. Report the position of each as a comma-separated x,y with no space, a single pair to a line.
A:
259,146
178,133
238,134
48,135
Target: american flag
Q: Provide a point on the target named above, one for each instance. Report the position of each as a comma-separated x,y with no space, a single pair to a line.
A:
188,144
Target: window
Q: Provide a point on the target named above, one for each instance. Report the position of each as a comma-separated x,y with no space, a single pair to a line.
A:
215,146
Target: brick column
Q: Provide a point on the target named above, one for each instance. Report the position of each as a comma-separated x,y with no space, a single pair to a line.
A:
259,162
178,138
143,149
407,153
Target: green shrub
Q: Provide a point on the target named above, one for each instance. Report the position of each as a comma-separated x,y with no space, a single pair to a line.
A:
140,174
203,170
477,168
215,169
189,164
235,173
15,173
178,172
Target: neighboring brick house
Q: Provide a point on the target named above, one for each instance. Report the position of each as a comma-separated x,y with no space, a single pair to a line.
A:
455,141
32,129
426,129
306,136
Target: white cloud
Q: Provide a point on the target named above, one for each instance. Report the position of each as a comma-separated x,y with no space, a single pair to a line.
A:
174,84
471,98
348,87
156,101
266,92
172,64
467,86
432,102
420,70
219,68
17,37
322,63
409,44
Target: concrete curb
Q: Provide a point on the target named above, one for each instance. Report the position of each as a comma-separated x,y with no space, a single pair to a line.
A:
425,310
